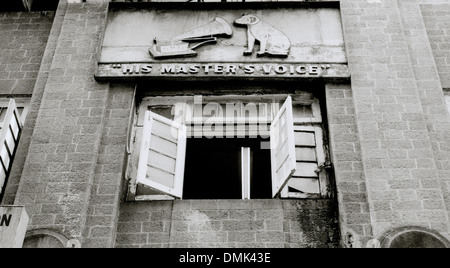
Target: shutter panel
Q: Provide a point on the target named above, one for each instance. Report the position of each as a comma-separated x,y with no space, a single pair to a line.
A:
9,137
162,155
282,145
306,181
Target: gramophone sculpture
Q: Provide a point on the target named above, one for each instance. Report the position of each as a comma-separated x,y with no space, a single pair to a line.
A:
179,45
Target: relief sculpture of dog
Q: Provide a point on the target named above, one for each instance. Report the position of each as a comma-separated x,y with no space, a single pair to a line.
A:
272,41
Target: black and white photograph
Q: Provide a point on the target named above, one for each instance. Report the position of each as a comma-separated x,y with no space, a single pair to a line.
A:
224,132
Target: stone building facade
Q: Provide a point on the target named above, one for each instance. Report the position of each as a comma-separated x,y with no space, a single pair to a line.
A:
384,123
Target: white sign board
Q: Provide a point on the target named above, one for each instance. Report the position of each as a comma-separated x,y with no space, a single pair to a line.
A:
13,226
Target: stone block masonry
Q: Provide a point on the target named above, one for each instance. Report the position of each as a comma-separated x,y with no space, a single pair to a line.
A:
66,139
346,153
108,183
436,18
228,223
400,114
388,135
23,40
37,92
71,175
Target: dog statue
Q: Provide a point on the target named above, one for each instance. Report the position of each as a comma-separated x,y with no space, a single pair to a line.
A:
272,41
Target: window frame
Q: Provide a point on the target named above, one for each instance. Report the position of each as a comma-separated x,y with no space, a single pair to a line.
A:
301,98
245,172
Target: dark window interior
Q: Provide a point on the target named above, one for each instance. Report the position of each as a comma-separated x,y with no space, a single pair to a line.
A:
44,5
37,5
213,169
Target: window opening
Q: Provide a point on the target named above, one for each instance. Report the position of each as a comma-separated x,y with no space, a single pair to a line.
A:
277,153
221,168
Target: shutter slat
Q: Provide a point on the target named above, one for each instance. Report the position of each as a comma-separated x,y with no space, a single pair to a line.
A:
304,138
160,176
305,169
163,146
305,154
161,129
305,185
161,161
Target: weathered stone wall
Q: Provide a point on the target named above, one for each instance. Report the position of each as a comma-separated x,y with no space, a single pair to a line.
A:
345,147
37,92
436,18
388,132
229,223
400,115
58,174
22,44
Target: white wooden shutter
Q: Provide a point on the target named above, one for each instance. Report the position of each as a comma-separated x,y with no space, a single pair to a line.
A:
162,155
282,145
9,137
307,181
